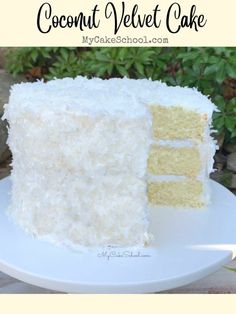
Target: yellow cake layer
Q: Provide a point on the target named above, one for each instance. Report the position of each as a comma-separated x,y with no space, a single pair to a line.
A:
176,193
165,160
177,123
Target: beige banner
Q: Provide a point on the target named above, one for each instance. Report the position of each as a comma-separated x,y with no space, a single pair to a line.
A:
104,23
107,304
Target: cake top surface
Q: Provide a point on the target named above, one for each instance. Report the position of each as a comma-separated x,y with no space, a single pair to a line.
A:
113,96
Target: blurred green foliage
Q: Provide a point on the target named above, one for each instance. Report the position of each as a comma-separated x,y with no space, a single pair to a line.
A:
211,70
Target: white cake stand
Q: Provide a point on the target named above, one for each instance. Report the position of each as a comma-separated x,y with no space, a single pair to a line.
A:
190,244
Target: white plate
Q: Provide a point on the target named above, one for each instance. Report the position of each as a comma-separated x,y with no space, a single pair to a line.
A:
190,244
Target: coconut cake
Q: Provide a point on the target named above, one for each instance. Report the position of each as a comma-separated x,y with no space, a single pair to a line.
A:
91,156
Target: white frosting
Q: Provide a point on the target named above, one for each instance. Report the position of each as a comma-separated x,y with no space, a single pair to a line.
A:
80,151
175,143
161,178
80,178
114,96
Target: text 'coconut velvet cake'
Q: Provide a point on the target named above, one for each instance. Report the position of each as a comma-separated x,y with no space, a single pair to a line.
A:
91,156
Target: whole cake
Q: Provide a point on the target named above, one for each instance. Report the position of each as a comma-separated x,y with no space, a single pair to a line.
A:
91,156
